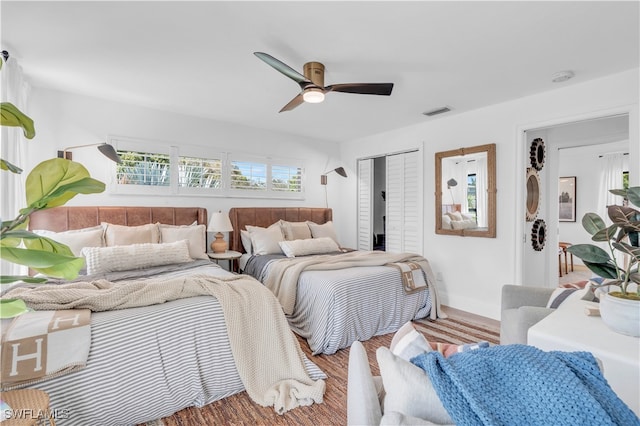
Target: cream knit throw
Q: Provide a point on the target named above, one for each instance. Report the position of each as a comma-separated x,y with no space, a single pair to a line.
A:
282,277
267,354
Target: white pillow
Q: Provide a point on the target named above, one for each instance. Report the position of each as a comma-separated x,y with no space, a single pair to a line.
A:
295,230
309,246
265,241
409,390
119,235
455,216
196,236
135,256
446,222
463,224
77,239
324,230
245,237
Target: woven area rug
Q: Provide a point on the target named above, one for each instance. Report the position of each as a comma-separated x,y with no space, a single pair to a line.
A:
240,410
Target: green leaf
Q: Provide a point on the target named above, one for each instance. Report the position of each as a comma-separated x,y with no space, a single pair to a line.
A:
9,242
54,182
624,217
592,223
47,244
51,264
605,234
7,279
603,270
634,252
13,117
10,308
5,165
589,253
633,194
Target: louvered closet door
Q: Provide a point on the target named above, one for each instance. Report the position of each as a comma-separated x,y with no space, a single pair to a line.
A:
365,204
404,220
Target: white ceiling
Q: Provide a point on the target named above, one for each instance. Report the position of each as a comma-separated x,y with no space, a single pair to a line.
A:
196,58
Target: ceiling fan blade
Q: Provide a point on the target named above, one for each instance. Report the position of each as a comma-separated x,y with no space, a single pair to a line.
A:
293,103
283,68
362,88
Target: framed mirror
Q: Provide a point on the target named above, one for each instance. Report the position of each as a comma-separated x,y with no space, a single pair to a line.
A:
466,191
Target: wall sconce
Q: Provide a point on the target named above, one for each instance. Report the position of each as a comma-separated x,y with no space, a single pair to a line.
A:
450,184
219,223
339,170
106,149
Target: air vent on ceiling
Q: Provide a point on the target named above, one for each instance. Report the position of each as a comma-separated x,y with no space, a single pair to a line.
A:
437,111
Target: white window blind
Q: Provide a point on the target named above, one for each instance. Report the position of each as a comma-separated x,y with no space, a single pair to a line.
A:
199,172
143,168
286,178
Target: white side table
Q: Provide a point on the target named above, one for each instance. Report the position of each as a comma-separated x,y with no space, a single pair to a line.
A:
568,328
229,255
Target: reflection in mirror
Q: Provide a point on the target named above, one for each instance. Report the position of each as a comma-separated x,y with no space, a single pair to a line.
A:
465,192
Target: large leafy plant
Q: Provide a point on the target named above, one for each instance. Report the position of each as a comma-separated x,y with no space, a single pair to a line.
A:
50,184
621,238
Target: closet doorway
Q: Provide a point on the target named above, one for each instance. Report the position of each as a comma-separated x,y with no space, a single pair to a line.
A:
390,202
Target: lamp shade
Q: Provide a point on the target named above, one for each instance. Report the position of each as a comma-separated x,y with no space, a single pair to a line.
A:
220,222
452,182
106,149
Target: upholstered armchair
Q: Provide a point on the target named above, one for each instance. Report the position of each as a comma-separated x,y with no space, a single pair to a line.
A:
521,307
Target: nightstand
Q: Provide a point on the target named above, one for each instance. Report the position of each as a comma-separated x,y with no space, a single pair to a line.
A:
229,255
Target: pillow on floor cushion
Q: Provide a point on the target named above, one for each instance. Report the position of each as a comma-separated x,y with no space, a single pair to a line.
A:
295,230
118,235
134,256
196,236
309,246
324,230
77,239
409,390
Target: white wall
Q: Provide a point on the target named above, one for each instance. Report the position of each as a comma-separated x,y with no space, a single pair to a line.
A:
474,269
64,119
581,162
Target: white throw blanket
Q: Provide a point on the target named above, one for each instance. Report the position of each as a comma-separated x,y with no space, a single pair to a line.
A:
267,354
282,277
40,345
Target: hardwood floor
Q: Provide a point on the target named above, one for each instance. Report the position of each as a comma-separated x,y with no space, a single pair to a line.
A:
468,316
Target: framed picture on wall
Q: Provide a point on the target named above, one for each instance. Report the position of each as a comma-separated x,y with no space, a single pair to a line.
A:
567,199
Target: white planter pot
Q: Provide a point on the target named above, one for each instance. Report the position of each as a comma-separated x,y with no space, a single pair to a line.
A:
620,315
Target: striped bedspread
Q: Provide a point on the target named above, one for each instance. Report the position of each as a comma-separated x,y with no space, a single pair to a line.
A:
334,308
149,362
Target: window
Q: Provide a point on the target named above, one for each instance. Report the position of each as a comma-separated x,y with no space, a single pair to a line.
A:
143,168
199,172
472,199
155,168
246,175
286,178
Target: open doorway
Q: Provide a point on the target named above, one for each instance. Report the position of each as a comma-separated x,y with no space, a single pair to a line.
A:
577,153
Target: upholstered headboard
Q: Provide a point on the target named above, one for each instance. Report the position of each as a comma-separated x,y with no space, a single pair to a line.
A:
265,216
60,219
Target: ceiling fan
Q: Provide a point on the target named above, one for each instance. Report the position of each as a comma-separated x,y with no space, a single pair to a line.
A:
312,83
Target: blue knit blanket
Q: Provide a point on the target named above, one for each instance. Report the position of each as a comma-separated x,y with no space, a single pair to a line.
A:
522,385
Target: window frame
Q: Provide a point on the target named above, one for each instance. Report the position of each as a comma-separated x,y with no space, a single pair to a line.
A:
177,151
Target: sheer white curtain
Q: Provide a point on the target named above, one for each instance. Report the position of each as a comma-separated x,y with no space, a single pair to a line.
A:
14,89
611,169
481,191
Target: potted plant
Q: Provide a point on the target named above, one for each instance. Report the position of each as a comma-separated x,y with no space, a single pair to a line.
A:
51,183
620,310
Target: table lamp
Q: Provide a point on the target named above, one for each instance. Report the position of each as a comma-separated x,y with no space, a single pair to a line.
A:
219,223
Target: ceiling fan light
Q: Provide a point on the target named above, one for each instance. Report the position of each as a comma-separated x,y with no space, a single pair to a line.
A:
313,96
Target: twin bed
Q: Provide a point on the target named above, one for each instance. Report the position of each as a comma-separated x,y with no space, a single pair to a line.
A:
148,362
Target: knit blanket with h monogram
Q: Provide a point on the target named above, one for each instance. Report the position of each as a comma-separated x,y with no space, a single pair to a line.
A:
519,384
43,344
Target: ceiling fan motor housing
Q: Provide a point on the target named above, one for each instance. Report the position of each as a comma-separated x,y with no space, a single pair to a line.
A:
314,71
